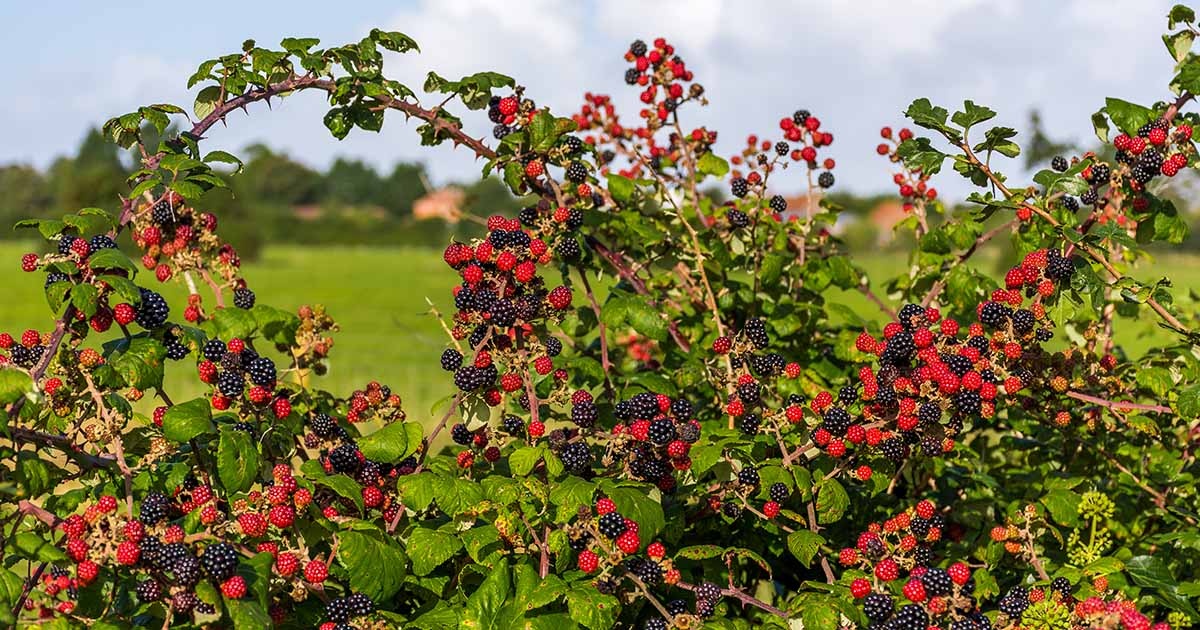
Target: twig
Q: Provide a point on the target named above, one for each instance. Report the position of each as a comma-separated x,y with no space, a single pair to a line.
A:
1119,406
605,363
743,597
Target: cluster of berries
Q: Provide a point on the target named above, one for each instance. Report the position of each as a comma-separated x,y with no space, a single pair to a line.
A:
150,546
376,402
664,77
747,404
652,438
341,455
501,303
480,441
1022,607
1156,149
510,113
25,352
609,548
802,137
903,590
230,366
341,610
912,184
175,238
76,263
965,377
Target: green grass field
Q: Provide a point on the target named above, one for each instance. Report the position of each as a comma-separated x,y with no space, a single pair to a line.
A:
378,296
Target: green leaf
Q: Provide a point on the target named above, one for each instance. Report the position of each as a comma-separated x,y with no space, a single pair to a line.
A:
247,614
972,115
338,122
187,420
620,187
635,504
832,501
237,460
388,444
700,552
228,323
646,319
918,154
712,164
1179,44
206,101
111,258
591,608
805,545
569,495
14,384
1180,14
84,298
1063,506
1152,573
455,496
140,362
1128,117
429,548
1188,405
487,601
999,139
929,116
375,564
1156,379
523,460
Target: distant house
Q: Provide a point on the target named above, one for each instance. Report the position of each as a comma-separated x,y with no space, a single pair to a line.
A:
443,203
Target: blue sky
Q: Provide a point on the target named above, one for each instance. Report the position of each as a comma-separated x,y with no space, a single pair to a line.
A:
854,64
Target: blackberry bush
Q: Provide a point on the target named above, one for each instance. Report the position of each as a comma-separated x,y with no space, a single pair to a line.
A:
658,414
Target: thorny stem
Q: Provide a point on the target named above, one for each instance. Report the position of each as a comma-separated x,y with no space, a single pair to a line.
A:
605,363
638,285
743,597
1119,405
816,529
962,258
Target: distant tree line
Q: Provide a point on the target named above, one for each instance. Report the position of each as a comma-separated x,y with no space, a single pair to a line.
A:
274,197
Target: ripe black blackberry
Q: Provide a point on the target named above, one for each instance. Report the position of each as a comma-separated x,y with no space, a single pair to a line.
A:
731,509
577,172
460,434
1014,607
149,590
153,310
155,508
778,203
676,606
662,431
56,276
243,298
1060,269
572,143
908,312
749,393
1143,174
186,569
1089,197
1070,203
981,344
782,148
929,413
1058,163
645,405
494,113
649,571
553,346
162,213
359,605
993,314
737,218
513,426
756,332
968,402
739,187
748,476
631,76
220,561
638,48
836,421
894,449
611,525
682,409
262,371
878,607
231,383
957,363
911,617
504,313
1100,174
451,359
175,350
800,116
214,349
937,582
169,554
468,378
584,414
184,601
574,218
825,180
323,425
708,591
568,249
528,216
101,241
689,433
344,458
576,457
923,556
337,610
1023,320
149,548
899,350
1062,586
64,243
1151,159
750,423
